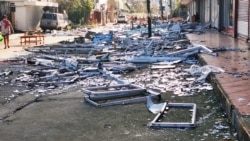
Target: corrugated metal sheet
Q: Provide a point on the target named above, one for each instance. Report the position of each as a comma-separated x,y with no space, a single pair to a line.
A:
243,20
202,11
192,8
214,13
192,11
224,15
248,21
4,8
207,10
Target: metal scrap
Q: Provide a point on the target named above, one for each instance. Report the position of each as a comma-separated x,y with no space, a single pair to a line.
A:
203,71
124,99
108,92
101,64
162,109
154,108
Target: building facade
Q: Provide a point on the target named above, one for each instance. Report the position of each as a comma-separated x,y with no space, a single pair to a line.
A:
243,18
229,16
25,14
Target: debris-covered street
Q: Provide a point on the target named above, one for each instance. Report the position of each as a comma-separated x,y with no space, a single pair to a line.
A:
113,83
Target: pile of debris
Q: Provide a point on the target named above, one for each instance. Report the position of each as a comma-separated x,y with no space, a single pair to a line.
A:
102,64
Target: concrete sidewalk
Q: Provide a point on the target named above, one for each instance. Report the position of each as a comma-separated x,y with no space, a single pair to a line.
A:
16,49
233,86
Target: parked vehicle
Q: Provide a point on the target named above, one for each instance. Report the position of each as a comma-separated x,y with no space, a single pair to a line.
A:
53,21
122,19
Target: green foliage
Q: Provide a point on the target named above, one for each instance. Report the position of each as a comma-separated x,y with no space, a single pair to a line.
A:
78,10
179,5
178,11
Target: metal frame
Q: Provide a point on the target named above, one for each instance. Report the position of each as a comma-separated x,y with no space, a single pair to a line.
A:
129,100
104,92
154,123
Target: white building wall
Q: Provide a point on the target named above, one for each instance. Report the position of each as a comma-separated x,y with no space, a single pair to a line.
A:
33,18
28,13
28,17
20,16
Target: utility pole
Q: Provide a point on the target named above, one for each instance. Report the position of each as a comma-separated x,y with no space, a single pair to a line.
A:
161,9
149,19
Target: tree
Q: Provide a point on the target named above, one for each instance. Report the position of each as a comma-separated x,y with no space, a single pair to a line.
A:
180,9
78,10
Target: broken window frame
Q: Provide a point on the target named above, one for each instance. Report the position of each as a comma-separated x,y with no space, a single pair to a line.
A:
93,93
155,124
129,100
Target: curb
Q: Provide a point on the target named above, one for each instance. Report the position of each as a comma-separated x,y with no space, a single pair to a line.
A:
234,117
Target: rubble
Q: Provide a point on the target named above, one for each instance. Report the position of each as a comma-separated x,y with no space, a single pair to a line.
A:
203,71
121,98
154,108
101,63
162,109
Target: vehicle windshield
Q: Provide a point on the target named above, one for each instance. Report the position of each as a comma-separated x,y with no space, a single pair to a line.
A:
49,16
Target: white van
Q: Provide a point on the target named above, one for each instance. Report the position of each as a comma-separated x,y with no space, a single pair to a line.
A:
53,21
122,19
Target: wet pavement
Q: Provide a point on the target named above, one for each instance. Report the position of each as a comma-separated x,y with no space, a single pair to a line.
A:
234,85
45,118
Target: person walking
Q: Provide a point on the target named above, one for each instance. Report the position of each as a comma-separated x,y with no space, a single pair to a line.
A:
6,29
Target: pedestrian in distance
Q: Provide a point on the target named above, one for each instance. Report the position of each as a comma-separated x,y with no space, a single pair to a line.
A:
6,30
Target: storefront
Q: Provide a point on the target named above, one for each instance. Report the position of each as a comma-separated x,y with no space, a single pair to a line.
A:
192,7
207,10
226,16
204,10
243,18
215,14
229,16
